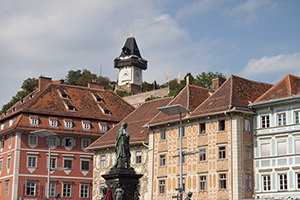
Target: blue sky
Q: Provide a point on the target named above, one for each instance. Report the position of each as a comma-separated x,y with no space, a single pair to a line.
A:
255,39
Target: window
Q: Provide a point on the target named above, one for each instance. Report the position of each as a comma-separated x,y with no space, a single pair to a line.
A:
183,184
63,93
86,126
1,144
248,181
84,190
281,119
52,163
297,116
298,180
8,164
34,121
52,141
163,134
68,163
101,188
31,161
32,141
221,125
265,121
282,181
30,188
202,155
138,157
69,142
202,129
297,146
6,188
281,148
1,163
247,125
9,141
222,152
67,190
85,165
162,160
202,183
53,123
68,124
266,182
103,128
52,189
248,152
222,181
85,143
161,186
102,161
265,149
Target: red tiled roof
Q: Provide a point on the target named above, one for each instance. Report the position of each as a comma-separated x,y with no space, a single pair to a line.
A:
234,94
190,97
50,102
136,121
286,87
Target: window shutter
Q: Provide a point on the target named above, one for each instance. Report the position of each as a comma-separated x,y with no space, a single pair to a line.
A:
57,141
23,188
63,142
47,141
73,142
38,188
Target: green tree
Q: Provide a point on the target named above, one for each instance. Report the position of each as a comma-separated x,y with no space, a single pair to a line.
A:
204,79
72,77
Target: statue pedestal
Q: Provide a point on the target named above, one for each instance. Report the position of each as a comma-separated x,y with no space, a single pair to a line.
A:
126,177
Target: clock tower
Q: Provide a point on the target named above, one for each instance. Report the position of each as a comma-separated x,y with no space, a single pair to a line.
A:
130,64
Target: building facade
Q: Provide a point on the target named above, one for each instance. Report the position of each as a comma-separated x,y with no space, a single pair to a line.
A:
277,140
77,116
217,136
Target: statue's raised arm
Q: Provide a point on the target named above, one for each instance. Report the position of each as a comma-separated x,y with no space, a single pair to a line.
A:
122,148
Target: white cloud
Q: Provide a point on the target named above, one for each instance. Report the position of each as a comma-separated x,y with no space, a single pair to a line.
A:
273,65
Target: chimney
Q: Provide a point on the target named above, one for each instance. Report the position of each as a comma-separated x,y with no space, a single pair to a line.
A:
43,82
96,86
217,82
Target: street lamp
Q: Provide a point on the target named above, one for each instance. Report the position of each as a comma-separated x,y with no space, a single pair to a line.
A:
172,110
45,133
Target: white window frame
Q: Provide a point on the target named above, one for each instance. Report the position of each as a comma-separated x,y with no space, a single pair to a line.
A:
297,180
266,187
262,154
84,191
138,157
8,164
85,143
53,162
53,123
30,163
7,188
34,121
297,147
30,187
101,187
52,189
102,163
202,154
30,140
53,142
103,128
297,116
85,160
283,149
162,160
69,159
248,181
202,183
265,121
281,119
161,186
222,181
86,126
68,124
1,145
68,193
282,182
9,142
247,125
70,144
1,165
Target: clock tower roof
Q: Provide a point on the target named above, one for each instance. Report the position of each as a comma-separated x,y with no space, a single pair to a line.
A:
130,56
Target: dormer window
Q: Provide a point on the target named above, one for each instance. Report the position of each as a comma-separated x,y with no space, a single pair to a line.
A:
63,93
86,126
69,104
104,108
34,121
98,97
53,123
103,128
68,124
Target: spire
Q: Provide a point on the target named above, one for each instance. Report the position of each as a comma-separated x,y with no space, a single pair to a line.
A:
130,48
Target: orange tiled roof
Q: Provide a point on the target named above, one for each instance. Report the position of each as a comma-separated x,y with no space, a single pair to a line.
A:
190,97
286,87
54,99
234,94
136,121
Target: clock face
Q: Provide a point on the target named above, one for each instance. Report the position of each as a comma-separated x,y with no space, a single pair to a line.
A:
126,74
137,75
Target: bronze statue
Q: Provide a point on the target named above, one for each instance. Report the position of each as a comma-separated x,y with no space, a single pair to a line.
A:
122,148
57,196
189,196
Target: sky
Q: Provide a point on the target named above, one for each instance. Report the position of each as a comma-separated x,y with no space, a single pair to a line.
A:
255,39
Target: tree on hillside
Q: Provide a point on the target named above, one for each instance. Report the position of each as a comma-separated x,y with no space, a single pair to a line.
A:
204,79
28,86
81,78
